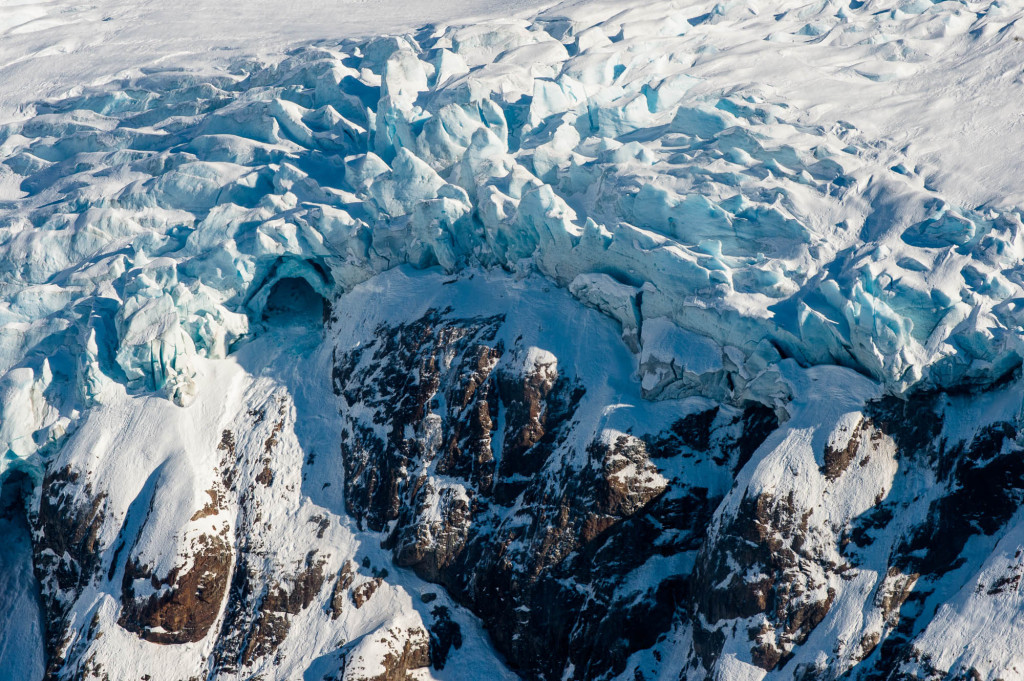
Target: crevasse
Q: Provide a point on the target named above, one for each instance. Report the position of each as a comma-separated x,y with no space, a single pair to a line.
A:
156,213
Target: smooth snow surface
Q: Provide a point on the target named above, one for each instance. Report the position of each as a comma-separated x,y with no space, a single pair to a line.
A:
21,619
51,47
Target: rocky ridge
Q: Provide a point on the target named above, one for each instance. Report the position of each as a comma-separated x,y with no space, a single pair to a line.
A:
492,351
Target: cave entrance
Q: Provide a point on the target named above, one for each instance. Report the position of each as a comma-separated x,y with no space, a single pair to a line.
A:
293,301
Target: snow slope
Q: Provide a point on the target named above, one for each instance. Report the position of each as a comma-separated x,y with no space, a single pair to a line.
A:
152,463
21,648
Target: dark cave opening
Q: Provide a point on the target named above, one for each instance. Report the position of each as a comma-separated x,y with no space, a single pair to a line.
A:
293,300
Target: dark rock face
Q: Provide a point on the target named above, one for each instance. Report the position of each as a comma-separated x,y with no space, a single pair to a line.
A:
985,480
978,488
488,466
444,635
766,537
488,484
186,604
402,379
480,486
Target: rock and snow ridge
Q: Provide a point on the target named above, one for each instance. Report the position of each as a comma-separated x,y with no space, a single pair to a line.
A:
152,227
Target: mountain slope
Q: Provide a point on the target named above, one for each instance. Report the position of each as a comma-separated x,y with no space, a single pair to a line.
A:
615,342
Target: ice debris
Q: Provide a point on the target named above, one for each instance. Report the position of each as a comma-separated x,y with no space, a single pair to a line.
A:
158,212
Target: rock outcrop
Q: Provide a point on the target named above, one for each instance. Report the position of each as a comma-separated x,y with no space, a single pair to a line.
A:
514,349
492,482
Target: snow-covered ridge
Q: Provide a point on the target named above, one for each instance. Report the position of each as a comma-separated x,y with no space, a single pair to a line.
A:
144,222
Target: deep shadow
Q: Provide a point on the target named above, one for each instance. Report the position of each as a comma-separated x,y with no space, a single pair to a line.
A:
21,618
293,301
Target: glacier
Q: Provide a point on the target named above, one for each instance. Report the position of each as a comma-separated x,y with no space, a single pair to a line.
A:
637,340
155,214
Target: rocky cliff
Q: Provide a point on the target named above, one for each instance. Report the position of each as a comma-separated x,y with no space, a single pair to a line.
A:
533,348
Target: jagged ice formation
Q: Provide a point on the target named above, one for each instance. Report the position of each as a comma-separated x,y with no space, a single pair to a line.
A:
782,442
722,234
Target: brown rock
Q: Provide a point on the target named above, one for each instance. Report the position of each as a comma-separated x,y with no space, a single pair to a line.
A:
185,605
838,459
341,585
365,591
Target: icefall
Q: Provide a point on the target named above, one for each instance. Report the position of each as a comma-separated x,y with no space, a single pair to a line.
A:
725,237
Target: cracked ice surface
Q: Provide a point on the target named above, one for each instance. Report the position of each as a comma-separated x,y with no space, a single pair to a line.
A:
144,222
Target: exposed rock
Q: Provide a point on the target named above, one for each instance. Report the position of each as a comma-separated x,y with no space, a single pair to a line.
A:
626,480
212,507
759,566
454,401
67,551
185,604
287,597
444,635
365,591
400,372
893,593
838,458
404,651
270,584
442,521
341,585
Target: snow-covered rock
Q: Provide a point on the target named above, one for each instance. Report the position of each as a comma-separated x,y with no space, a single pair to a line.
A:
659,370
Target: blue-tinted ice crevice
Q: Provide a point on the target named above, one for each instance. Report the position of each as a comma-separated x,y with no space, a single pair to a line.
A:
154,215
